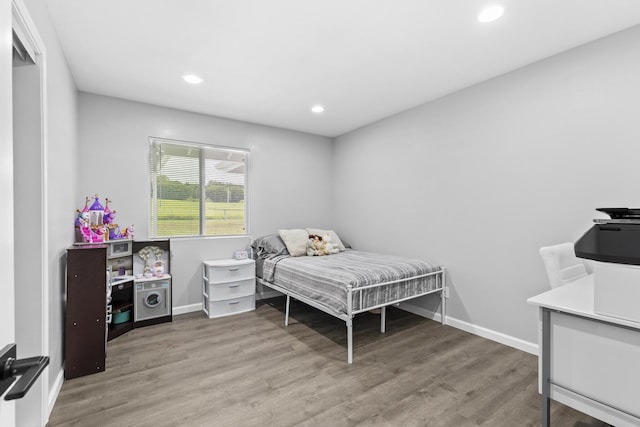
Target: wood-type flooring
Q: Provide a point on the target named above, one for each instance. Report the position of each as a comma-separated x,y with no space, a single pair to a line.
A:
250,370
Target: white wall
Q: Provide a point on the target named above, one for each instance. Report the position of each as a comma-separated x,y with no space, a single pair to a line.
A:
289,174
286,188
479,180
186,266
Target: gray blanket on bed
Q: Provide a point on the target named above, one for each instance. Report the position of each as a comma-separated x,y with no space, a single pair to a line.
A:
325,279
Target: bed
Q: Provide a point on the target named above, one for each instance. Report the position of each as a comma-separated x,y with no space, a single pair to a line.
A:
345,283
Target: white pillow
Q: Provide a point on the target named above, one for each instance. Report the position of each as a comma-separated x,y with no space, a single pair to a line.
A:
295,240
334,237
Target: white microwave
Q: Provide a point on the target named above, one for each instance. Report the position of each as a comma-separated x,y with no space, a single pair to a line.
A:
118,248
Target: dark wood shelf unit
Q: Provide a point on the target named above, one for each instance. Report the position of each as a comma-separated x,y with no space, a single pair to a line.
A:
85,320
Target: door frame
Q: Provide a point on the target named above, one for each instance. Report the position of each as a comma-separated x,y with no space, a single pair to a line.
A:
7,309
24,26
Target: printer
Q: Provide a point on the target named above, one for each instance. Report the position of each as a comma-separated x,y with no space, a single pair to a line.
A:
613,244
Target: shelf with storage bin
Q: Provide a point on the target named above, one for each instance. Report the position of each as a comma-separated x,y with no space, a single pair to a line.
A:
228,287
121,306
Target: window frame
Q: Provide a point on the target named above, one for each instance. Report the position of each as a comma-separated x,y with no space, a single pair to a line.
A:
202,147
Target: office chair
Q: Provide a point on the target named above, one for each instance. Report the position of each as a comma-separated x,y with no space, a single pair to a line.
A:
562,264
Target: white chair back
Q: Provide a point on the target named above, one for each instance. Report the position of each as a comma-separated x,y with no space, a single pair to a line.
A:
562,264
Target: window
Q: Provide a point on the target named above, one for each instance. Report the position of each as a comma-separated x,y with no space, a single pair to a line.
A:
197,190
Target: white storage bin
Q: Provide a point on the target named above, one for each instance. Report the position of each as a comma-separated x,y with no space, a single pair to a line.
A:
220,291
228,287
228,270
228,307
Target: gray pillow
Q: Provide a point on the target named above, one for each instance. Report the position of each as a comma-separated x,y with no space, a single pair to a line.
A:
271,244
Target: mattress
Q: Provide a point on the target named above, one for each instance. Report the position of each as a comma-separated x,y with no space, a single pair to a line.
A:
325,279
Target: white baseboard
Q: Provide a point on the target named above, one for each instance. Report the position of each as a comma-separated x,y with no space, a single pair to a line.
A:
55,391
184,309
483,332
423,312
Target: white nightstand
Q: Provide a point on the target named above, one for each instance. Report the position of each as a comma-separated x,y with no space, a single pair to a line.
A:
228,287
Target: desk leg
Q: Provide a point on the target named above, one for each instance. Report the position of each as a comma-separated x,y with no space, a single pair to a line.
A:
546,367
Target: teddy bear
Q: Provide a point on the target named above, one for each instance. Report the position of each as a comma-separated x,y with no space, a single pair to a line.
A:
332,248
316,246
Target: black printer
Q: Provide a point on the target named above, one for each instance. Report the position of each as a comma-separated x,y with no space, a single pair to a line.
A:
615,240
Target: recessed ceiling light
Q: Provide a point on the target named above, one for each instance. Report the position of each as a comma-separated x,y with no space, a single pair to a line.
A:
317,109
491,13
192,78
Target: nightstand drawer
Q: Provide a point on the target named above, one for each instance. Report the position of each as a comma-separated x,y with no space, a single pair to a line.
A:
228,307
226,290
220,271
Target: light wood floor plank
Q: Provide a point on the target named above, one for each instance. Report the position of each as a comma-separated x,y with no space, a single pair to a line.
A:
251,370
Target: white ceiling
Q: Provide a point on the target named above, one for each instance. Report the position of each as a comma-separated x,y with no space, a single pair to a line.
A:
269,61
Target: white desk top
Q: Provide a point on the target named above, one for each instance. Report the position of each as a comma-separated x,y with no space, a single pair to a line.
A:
576,298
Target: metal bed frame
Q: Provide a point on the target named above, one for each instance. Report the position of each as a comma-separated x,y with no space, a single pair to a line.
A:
351,312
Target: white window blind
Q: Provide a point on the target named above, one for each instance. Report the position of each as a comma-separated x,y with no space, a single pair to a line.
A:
197,190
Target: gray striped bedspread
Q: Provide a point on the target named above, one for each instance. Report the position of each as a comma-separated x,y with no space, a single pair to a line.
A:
325,278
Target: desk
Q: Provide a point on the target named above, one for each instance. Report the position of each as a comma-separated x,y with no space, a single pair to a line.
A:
588,361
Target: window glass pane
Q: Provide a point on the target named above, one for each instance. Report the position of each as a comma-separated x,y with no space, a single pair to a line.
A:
196,190
224,192
177,196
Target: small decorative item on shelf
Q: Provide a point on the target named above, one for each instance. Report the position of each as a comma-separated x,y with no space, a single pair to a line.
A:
158,268
240,254
96,213
128,232
108,216
158,265
96,223
144,255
